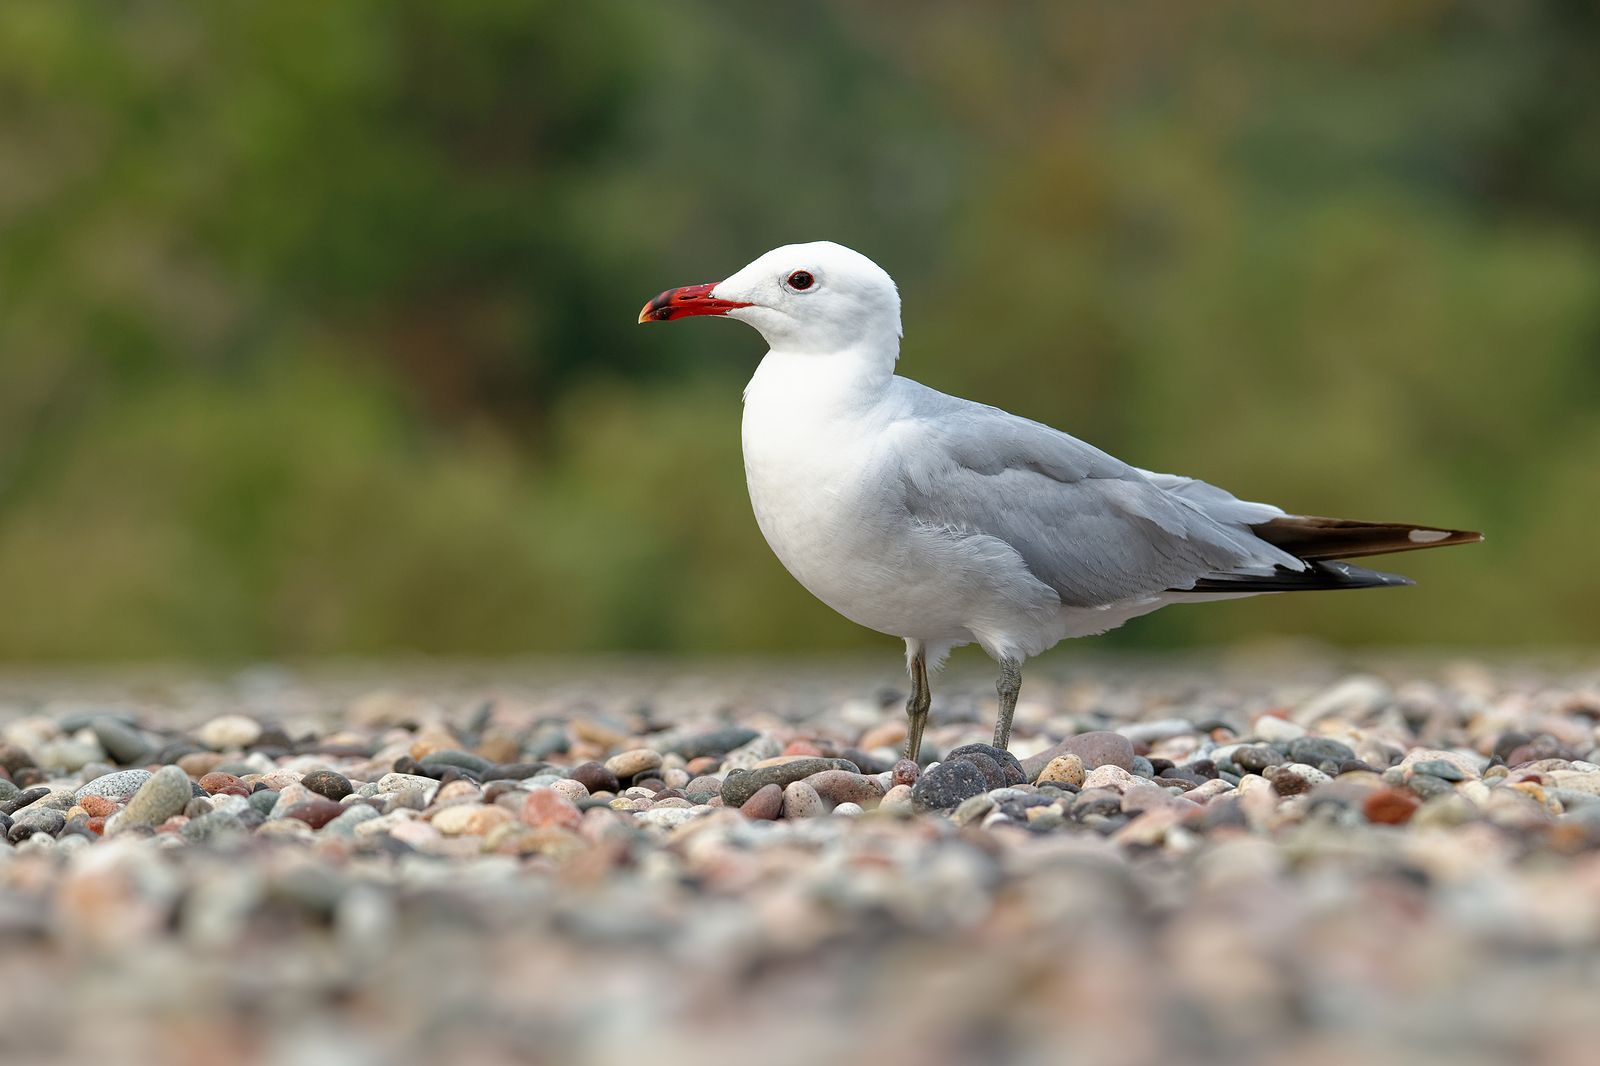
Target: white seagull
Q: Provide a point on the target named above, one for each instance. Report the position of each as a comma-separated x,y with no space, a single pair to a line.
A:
947,522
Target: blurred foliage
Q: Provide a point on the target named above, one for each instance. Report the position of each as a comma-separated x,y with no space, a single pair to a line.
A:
316,320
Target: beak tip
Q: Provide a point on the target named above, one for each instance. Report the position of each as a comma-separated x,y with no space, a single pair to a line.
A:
689,300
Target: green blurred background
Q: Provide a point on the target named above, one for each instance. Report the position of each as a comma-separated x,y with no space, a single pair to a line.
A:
317,319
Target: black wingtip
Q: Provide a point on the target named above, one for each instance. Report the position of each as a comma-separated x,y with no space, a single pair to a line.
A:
1318,576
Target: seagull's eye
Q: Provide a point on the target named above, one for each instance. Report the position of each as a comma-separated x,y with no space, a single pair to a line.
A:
800,280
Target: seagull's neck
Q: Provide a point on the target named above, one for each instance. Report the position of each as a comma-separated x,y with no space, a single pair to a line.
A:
837,381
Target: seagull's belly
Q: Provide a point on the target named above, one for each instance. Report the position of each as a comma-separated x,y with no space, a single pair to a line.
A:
836,525
846,553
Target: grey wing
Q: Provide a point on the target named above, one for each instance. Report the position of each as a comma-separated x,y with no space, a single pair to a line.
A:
1087,524
1219,504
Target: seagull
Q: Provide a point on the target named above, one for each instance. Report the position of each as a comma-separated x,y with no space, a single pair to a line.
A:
946,522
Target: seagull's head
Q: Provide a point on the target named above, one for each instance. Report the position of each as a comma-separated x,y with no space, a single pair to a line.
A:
803,298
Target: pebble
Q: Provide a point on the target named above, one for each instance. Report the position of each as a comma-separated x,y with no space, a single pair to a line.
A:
898,800
329,784
165,794
596,777
397,782
352,816
973,809
1254,758
739,785
1317,750
946,785
99,806
1011,772
463,760
1390,806
121,741
765,804
668,817
715,742
1065,769
316,811
546,808
842,786
1110,776
629,764
229,732
1094,749
1274,730
1353,699
38,820
118,785
801,800
1443,769
471,819
1291,779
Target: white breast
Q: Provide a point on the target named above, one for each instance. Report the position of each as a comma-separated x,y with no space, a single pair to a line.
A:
824,485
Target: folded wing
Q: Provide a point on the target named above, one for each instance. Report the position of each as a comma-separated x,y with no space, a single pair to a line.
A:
1099,531
1090,526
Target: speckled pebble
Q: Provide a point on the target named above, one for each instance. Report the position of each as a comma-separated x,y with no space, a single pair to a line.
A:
118,785
801,800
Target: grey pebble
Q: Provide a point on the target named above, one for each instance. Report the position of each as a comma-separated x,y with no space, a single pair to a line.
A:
119,784
1010,768
1428,786
973,809
38,820
211,825
122,741
1317,750
1254,758
716,742
1443,769
463,759
739,786
345,824
946,785
164,795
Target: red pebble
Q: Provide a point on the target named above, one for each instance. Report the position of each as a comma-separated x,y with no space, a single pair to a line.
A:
316,813
546,807
801,747
216,781
97,826
1390,806
99,806
766,805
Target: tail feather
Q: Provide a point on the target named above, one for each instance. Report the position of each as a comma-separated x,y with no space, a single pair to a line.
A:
1323,543
1312,538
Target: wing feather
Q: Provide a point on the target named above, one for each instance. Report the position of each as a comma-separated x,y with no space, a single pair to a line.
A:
1090,526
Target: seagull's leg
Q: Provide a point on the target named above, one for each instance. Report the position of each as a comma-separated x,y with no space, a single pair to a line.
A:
918,703
1008,686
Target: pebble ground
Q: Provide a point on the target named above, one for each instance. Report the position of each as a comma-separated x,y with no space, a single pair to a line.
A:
1264,860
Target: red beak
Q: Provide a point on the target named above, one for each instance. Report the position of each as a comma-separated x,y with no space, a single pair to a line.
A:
689,300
